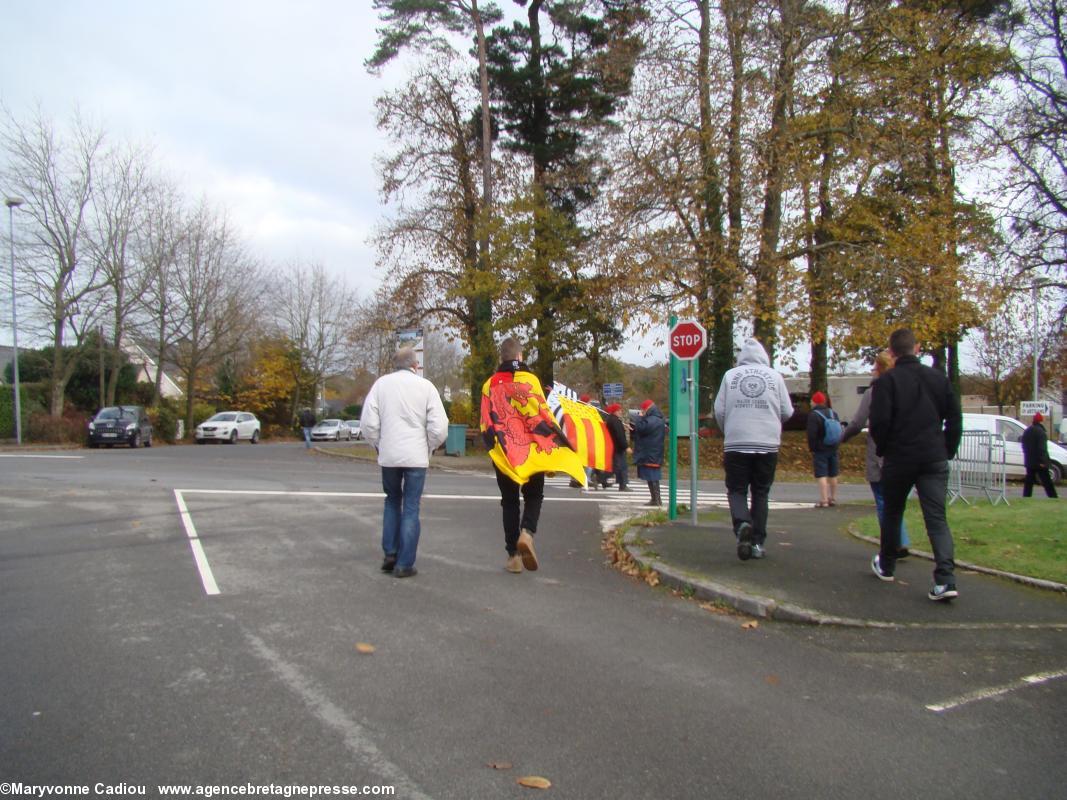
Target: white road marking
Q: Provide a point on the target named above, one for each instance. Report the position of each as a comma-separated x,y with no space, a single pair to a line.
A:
996,691
206,576
354,735
34,455
604,497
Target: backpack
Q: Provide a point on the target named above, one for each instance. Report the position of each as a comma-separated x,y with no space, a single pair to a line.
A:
831,426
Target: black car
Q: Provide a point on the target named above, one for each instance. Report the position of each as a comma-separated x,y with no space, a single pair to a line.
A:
114,425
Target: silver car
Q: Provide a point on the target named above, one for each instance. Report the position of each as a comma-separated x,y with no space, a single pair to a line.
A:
331,430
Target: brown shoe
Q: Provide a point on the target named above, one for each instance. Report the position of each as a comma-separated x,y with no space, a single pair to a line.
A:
514,564
526,550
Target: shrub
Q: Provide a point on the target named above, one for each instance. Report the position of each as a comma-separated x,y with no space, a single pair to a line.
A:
459,412
70,428
201,411
273,430
165,422
7,410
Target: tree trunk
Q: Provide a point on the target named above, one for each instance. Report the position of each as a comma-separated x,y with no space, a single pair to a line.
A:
765,324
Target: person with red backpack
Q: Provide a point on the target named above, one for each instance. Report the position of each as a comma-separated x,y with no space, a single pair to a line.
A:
824,437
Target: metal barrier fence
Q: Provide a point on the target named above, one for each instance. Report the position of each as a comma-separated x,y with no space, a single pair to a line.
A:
979,466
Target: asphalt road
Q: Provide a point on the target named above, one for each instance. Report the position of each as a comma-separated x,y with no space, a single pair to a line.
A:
121,665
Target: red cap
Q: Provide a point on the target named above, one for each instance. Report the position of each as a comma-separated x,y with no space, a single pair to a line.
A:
1039,417
645,406
818,399
613,408
584,398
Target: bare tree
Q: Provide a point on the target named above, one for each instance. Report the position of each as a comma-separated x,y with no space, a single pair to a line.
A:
160,241
215,283
313,310
119,204
56,177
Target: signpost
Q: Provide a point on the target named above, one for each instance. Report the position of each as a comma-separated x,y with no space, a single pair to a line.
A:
687,340
1027,408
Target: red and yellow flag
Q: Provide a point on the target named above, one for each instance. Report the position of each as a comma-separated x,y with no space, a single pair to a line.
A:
587,431
526,439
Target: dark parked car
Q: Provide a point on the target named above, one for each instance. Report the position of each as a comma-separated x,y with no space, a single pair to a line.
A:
120,425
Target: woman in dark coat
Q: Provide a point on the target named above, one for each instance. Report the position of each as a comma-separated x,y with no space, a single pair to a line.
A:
650,431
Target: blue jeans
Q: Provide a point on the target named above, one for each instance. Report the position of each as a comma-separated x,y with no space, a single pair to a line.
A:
400,520
879,506
307,438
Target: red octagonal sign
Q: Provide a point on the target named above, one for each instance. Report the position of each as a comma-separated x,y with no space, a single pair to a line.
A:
687,339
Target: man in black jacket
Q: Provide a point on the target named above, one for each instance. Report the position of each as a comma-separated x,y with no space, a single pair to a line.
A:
1035,457
916,425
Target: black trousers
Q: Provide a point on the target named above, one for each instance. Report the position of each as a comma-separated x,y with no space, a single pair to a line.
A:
930,481
1038,475
745,472
621,468
518,516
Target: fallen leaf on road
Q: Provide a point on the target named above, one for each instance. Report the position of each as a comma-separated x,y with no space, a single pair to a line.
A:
773,680
785,544
364,648
750,625
499,765
534,782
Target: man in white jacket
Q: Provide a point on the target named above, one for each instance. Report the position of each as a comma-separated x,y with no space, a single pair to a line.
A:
405,421
751,406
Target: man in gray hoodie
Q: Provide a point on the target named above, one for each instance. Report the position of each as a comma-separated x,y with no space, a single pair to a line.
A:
750,408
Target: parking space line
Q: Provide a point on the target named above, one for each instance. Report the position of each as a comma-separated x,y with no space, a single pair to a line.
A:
34,455
199,556
997,691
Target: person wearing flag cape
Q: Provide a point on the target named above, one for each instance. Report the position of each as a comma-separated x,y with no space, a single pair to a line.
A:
524,441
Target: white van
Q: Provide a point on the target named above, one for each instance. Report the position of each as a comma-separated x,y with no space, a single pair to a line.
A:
1012,431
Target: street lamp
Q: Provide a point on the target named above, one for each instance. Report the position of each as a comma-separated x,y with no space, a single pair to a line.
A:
12,203
1037,311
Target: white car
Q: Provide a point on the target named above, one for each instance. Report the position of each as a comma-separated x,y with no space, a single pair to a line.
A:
228,426
331,430
353,425
1012,430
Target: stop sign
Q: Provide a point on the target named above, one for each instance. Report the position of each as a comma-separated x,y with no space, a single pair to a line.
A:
687,339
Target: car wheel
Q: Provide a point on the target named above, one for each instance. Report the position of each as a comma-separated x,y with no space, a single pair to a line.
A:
1055,471
255,437
93,445
199,441
135,442
148,441
233,438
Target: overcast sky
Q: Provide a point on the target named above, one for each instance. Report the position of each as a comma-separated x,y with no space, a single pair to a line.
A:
264,107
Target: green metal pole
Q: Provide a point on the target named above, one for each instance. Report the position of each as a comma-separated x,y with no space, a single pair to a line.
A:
672,471
694,385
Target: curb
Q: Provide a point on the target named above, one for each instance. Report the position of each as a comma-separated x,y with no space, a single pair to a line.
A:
745,602
769,608
1037,583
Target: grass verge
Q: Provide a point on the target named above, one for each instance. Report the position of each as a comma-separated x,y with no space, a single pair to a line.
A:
1028,538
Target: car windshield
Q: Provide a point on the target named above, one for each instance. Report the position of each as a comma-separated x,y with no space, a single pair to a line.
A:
117,413
227,417
329,423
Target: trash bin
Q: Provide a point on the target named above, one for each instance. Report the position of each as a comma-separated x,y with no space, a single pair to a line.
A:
456,443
